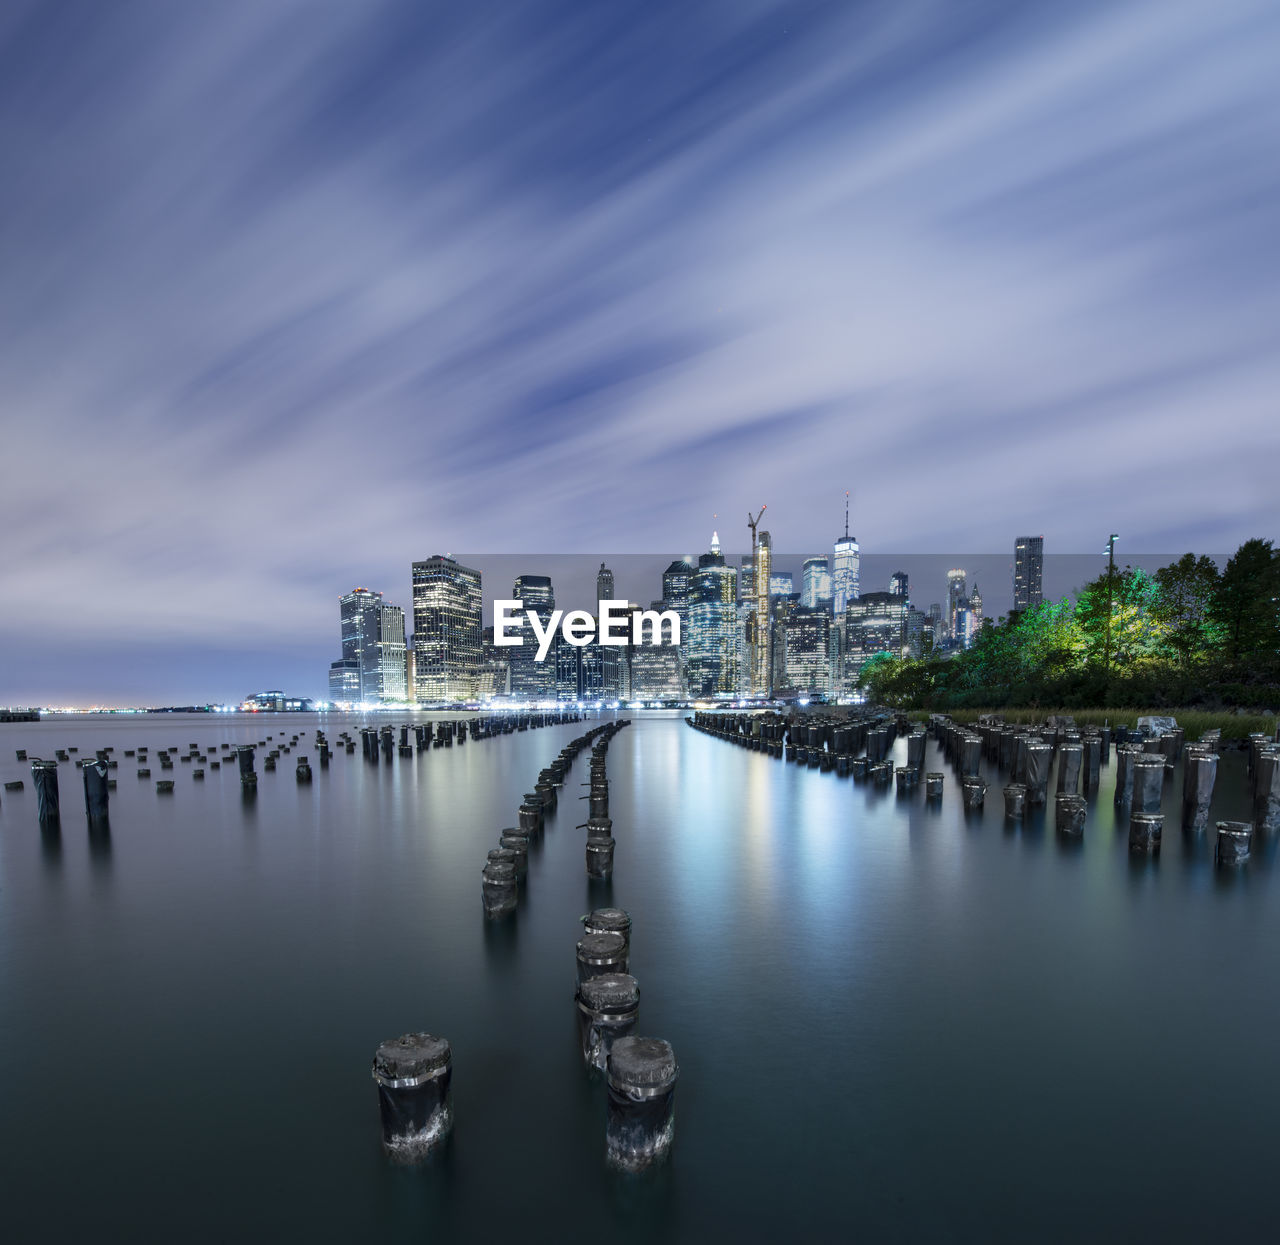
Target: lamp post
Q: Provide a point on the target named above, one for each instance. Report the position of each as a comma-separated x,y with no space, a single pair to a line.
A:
1111,575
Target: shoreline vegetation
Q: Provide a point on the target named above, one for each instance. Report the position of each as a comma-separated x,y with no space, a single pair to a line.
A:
1191,640
1233,725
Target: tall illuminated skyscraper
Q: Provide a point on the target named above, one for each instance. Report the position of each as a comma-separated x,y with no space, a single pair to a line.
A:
1028,572
532,679
846,568
713,626
447,631
762,622
955,599
815,592
391,655
360,615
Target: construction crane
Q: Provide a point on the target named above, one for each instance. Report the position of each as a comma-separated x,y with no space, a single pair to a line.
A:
751,523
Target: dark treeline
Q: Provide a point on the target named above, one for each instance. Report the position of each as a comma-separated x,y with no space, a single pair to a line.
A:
1189,635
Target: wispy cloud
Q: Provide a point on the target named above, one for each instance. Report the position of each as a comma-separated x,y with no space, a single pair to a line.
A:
293,294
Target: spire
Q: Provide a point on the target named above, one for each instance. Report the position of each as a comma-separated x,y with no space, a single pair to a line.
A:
715,542
846,514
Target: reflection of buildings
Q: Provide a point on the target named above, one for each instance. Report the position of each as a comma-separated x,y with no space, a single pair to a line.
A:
1028,572
713,626
447,630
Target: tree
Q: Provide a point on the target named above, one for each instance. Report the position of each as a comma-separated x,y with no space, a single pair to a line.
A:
1246,604
1135,631
1186,593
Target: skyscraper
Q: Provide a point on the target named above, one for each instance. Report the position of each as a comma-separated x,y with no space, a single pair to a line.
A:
1028,572
876,623
898,584
390,647
532,679
815,592
808,641
360,616
846,568
760,678
344,680
677,580
713,626
447,630
955,599
780,584
604,583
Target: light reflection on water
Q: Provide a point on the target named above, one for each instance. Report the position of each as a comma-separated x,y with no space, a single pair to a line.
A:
892,1018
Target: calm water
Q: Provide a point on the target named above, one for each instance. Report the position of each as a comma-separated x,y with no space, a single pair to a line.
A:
892,1022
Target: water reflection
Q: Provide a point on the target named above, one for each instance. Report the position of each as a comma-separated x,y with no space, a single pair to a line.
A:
51,846
99,843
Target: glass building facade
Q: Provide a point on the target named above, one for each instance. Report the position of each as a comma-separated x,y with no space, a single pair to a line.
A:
447,631
1028,572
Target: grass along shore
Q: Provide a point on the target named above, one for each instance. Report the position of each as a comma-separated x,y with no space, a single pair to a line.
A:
1194,721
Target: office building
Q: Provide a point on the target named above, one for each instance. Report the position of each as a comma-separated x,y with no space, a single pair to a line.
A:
604,583
898,585
447,631
344,681
846,568
815,591
780,584
677,581
390,647
531,679
875,623
360,617
1028,572
712,649
808,644
955,596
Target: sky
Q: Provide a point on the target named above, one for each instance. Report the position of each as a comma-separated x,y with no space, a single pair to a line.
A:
292,294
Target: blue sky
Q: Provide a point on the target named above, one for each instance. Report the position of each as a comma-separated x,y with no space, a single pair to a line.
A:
292,294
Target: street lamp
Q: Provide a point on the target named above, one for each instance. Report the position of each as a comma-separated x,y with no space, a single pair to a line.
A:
1111,574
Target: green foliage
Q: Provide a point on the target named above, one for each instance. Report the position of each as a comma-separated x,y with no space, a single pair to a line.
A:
1187,636
1246,605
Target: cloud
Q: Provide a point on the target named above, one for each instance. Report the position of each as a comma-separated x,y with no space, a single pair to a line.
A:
294,295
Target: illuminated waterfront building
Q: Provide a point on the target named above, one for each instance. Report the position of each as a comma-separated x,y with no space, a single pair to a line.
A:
712,649
1028,572
447,631
875,623
815,591
808,656
360,618
390,645
846,568
344,680
955,598
532,679
677,582
656,670
762,639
